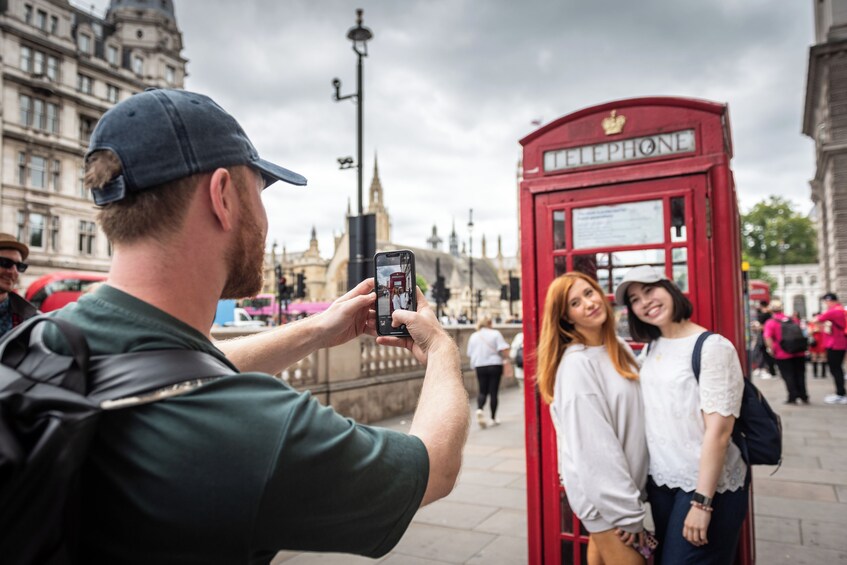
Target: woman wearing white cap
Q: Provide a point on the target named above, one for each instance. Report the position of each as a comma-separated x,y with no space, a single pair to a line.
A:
590,378
697,487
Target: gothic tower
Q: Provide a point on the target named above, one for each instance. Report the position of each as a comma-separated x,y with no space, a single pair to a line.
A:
377,206
454,241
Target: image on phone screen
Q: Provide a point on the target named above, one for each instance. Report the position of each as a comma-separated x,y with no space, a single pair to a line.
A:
395,288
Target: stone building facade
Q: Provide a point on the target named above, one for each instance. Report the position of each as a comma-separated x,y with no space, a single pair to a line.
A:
825,121
798,287
62,68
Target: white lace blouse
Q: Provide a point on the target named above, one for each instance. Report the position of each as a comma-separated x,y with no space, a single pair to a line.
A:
673,403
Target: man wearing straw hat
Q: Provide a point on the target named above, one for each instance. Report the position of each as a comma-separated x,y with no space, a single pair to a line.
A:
13,308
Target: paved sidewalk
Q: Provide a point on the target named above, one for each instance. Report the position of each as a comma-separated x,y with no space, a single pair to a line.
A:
801,511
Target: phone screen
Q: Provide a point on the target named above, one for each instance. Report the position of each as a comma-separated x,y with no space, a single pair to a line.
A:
395,288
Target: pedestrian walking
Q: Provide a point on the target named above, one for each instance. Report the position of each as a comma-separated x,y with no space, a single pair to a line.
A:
835,342
698,481
590,379
14,309
231,470
487,351
817,351
764,314
792,362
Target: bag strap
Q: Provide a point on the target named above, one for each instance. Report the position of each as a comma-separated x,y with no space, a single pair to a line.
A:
698,351
132,374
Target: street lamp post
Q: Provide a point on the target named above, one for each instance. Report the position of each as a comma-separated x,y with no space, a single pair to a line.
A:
470,261
359,35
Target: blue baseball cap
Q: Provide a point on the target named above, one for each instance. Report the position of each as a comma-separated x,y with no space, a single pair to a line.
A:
162,135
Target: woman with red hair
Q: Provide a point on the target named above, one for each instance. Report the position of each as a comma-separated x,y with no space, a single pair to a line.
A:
590,379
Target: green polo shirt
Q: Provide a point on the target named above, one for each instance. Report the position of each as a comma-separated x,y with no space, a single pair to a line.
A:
235,470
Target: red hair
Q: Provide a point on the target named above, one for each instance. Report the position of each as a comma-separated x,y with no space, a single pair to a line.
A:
557,334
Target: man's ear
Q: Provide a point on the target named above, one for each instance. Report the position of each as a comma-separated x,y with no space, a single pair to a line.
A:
223,198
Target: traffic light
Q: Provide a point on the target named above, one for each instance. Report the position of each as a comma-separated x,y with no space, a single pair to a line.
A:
514,288
478,297
504,292
300,289
284,289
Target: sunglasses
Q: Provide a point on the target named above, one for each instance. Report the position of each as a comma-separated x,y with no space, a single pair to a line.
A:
7,263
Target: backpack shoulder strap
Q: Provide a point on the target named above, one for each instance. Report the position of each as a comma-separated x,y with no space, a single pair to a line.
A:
698,352
131,374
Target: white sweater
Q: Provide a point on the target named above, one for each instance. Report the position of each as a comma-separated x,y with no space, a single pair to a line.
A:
602,445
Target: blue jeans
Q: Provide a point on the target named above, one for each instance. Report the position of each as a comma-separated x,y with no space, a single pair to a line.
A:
670,507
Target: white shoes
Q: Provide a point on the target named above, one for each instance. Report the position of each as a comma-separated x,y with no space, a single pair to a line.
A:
485,422
835,399
480,419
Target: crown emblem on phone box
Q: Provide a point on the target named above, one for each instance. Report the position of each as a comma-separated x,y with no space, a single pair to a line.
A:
613,123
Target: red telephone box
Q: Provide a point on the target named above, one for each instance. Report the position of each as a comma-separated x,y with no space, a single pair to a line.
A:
607,188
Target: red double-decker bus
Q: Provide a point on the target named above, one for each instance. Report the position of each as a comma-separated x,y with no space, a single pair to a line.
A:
55,290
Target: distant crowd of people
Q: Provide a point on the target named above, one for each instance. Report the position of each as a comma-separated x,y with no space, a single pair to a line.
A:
787,343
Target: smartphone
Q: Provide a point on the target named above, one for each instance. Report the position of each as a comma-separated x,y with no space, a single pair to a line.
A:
395,286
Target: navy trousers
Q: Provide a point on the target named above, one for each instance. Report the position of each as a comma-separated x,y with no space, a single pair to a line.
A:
670,507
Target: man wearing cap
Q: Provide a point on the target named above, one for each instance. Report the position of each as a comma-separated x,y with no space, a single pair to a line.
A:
835,342
13,308
243,466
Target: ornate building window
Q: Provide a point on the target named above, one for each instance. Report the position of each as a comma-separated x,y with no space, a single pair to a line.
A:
138,65
83,83
26,59
41,20
87,235
86,127
31,229
112,55
112,93
37,172
84,43
36,113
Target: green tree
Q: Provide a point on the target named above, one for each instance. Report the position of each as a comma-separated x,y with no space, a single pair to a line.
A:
774,233
421,282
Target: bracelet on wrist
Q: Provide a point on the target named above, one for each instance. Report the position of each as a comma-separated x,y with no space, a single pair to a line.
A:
701,506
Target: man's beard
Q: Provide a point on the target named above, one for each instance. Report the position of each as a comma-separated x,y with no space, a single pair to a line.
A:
246,260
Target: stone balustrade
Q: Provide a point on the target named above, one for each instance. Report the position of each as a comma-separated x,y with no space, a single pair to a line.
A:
366,381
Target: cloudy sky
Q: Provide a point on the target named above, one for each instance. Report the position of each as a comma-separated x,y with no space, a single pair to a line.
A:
452,85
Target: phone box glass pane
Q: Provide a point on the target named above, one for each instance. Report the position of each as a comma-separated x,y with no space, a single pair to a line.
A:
632,223
679,257
560,265
559,237
623,261
567,513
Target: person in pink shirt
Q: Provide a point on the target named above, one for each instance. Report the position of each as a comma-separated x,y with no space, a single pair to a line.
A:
792,366
835,342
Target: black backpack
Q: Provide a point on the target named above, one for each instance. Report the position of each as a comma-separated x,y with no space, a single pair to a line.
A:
792,339
758,429
49,408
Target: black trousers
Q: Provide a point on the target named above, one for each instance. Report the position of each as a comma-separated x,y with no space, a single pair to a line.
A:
488,379
835,358
793,372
